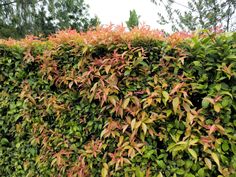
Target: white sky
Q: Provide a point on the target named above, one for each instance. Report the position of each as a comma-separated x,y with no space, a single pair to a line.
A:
117,11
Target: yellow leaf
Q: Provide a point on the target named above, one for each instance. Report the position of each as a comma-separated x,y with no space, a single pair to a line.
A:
125,103
103,132
149,101
104,172
107,68
137,124
124,128
131,153
37,159
220,128
31,99
105,166
117,165
208,163
209,100
84,49
53,162
160,175
155,79
144,127
133,123
175,104
127,161
190,118
81,62
215,158
135,100
193,142
217,107
186,106
113,100
121,139
93,89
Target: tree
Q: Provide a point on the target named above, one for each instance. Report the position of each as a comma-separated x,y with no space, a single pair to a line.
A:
133,19
202,14
21,17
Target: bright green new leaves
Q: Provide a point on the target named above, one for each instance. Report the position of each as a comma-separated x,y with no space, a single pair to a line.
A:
166,97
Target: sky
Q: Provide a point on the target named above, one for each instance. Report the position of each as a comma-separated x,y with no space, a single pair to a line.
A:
117,11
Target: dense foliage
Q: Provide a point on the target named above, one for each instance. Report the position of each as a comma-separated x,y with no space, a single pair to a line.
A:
116,103
195,14
133,20
43,17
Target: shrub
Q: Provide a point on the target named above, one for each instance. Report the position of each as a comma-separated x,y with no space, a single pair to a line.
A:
116,103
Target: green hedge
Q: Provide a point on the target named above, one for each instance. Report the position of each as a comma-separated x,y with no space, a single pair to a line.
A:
131,105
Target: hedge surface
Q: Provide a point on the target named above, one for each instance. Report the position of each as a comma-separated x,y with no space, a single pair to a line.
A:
116,103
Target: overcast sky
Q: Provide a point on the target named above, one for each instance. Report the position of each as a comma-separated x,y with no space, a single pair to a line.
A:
117,11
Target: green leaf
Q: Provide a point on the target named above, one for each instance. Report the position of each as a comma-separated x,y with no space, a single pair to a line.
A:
180,171
231,57
166,97
201,172
127,72
189,175
4,141
225,102
18,145
138,172
227,93
161,164
205,103
197,63
188,164
193,153
225,146
233,148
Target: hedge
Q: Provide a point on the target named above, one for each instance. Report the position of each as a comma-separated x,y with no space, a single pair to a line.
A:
115,103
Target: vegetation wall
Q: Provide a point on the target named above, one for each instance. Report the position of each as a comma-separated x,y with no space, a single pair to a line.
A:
116,103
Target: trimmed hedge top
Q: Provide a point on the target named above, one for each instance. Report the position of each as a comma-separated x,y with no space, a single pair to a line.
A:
116,103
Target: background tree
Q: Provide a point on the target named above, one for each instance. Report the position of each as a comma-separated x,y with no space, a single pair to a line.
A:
199,14
133,19
21,17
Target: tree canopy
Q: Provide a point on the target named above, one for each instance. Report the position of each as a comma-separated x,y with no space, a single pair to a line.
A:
206,14
133,19
22,17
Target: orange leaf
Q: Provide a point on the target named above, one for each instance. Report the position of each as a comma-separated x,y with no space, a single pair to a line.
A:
176,88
